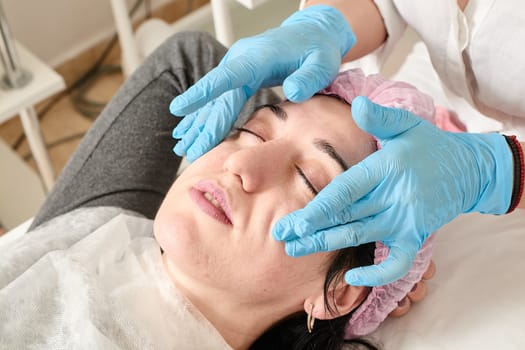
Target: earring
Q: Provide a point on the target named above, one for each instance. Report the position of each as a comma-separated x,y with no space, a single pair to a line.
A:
310,319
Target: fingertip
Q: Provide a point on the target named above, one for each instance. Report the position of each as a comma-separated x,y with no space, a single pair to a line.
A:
361,110
382,121
353,277
294,249
296,91
179,150
368,276
278,230
179,131
177,105
184,126
361,104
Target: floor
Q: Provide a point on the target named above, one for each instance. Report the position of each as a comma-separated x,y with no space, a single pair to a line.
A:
63,125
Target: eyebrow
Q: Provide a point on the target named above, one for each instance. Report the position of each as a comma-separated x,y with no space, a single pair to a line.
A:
326,147
276,110
321,144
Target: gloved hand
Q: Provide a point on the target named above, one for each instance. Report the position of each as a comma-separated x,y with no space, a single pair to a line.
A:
419,180
303,55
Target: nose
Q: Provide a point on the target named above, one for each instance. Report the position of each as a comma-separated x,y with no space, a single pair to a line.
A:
260,166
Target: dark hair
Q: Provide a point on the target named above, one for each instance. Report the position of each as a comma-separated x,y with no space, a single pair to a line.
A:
291,333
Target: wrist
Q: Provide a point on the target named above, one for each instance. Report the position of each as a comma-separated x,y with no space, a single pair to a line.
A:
495,166
328,20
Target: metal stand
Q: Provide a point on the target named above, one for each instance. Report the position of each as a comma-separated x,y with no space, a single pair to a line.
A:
16,77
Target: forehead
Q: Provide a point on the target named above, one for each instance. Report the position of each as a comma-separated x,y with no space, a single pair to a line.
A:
321,117
320,110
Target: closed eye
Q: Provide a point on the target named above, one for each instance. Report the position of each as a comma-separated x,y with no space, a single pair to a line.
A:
300,172
251,132
306,181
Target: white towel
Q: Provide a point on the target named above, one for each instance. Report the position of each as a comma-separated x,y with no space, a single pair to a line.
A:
94,279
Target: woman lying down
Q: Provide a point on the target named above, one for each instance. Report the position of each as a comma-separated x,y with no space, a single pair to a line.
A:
96,272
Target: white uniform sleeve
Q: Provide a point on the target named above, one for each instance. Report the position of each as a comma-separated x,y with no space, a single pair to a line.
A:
395,27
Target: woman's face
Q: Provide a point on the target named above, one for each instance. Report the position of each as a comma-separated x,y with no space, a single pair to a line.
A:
215,222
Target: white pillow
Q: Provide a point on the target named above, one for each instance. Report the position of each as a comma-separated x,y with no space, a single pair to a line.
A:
476,300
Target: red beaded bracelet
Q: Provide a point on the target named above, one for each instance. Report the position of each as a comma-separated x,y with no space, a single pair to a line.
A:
519,171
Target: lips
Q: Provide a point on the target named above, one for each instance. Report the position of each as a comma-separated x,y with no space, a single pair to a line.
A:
212,201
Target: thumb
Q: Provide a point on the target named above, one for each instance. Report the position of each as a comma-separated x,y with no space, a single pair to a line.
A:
396,265
382,122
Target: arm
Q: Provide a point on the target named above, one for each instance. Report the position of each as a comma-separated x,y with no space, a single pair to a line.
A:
365,20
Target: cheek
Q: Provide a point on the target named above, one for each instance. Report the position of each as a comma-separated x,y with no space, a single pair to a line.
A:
278,274
286,278
292,198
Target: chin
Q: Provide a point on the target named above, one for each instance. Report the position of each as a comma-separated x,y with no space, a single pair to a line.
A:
176,233
184,250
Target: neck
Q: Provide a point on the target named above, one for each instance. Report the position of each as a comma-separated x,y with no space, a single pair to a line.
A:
239,323
462,4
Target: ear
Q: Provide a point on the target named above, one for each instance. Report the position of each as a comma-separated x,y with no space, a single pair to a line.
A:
343,299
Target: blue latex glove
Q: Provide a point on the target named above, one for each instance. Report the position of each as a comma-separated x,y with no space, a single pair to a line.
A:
303,55
420,179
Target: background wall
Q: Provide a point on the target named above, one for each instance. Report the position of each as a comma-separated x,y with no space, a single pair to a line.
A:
57,30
